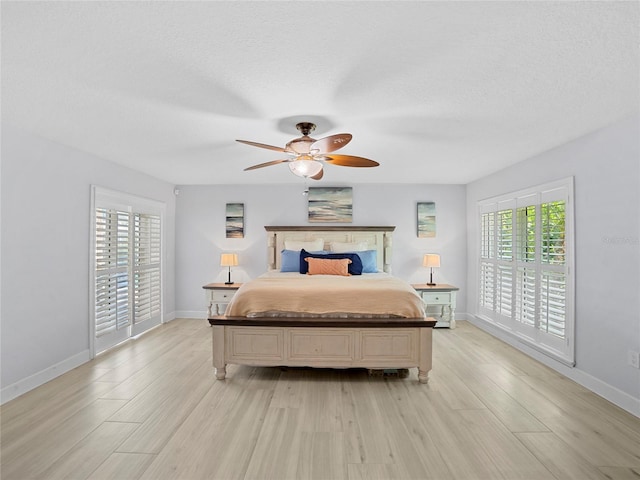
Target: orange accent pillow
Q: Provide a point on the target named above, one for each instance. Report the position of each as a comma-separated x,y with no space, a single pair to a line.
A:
326,266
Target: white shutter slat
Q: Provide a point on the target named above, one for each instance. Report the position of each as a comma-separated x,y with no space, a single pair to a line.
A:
488,235
526,296
552,303
112,309
504,290
487,285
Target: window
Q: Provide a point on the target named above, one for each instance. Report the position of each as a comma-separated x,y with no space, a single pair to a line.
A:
126,267
525,280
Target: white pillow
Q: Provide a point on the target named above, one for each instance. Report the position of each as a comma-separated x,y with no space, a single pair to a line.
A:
342,247
309,246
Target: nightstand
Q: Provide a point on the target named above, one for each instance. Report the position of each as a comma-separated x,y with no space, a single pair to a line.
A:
440,302
219,294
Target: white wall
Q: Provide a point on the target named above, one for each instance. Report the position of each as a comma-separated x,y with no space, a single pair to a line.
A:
45,254
606,167
200,232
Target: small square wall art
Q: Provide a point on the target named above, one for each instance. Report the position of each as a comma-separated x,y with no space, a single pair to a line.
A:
330,204
235,220
426,219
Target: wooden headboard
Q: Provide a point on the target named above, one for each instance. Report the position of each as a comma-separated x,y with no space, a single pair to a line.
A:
377,238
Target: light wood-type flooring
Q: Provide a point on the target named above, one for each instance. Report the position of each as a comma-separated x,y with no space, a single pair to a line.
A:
152,409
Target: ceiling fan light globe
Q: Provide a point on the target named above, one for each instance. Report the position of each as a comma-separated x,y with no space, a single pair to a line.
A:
305,168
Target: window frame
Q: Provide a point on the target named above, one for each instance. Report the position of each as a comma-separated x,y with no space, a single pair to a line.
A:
559,348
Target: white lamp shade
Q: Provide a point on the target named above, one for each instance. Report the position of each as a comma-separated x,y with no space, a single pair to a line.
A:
431,260
228,259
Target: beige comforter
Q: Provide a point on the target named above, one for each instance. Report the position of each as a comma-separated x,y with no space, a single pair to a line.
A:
326,295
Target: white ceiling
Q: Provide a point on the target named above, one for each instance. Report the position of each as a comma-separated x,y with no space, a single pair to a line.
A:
437,92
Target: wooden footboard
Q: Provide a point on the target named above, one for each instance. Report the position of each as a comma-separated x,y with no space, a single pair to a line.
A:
373,343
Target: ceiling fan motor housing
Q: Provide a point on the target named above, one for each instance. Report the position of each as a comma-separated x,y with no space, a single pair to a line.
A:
305,128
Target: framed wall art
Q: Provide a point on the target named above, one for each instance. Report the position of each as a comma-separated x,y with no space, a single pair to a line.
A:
426,219
235,220
330,204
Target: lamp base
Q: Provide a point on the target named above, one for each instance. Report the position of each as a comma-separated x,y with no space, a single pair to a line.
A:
431,282
229,282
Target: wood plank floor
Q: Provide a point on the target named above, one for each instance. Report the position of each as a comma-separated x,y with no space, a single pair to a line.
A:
152,409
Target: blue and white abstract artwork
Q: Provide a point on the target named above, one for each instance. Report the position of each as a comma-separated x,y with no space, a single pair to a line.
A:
331,204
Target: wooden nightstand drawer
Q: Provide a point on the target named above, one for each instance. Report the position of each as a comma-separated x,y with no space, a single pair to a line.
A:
436,298
220,296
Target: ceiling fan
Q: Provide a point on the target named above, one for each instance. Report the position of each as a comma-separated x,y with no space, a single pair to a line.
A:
307,155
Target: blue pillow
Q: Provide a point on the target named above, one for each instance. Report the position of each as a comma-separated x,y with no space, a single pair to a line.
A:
369,261
355,267
290,260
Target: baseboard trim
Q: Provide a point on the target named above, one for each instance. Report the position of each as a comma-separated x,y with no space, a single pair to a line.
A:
609,392
201,315
23,386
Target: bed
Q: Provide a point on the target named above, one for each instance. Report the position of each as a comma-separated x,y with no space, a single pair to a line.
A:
373,321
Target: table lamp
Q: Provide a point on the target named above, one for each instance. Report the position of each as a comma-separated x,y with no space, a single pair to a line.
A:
228,260
431,260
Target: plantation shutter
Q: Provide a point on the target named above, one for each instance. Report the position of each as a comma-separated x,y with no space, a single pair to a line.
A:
496,261
504,278
526,268
112,249
525,284
487,261
112,253
553,281
146,267
126,267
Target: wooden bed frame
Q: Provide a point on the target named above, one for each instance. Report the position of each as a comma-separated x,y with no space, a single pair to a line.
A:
373,343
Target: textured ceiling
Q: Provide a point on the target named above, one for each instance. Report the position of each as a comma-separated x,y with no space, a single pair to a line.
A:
437,92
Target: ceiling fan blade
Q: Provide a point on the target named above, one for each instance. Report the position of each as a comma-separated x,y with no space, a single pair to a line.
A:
266,164
350,161
262,145
331,143
318,175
